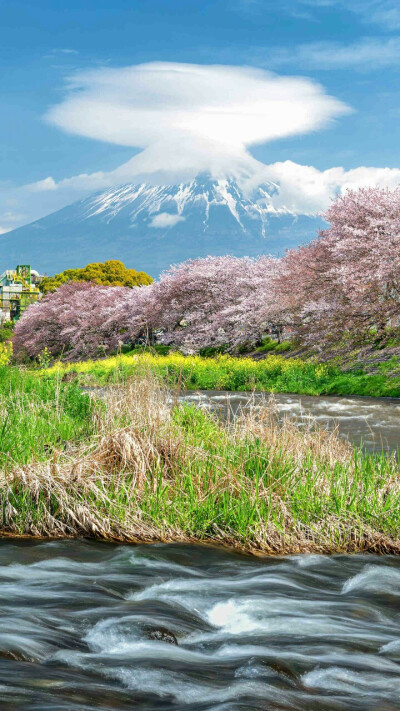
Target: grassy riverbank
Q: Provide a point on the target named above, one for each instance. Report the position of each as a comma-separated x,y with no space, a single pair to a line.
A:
275,373
135,469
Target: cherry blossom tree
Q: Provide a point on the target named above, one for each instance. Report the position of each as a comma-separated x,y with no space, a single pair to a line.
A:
82,320
345,285
203,302
216,301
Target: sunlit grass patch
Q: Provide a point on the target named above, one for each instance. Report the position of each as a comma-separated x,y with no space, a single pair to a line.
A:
38,414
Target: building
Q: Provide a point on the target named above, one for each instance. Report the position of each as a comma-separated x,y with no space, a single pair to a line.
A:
18,289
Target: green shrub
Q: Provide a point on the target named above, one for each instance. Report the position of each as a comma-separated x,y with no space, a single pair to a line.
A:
212,351
6,331
283,347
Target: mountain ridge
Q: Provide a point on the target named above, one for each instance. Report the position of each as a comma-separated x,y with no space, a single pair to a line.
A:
150,227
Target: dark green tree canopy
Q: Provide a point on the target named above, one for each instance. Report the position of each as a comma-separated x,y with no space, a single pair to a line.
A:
109,273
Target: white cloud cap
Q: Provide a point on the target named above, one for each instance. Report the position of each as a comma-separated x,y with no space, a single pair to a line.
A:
223,109
305,190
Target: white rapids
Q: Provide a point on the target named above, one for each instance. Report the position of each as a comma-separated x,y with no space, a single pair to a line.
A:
87,626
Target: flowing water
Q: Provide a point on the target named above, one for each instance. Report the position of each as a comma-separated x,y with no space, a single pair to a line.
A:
373,423
88,626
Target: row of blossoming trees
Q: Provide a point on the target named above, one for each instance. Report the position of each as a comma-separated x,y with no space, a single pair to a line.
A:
342,287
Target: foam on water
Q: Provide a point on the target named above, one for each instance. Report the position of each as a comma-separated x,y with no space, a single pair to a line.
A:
375,579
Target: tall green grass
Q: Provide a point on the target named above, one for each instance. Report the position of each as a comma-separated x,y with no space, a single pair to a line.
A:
274,373
37,415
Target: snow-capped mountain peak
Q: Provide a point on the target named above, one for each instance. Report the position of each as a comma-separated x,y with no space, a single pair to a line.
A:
150,227
203,193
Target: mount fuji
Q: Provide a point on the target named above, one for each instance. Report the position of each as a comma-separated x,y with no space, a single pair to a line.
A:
150,227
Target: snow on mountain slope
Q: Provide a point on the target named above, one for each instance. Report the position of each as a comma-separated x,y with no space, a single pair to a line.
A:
143,201
152,226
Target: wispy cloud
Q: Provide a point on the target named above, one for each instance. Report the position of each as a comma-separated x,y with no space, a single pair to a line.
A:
383,13
53,53
10,218
166,219
389,18
367,54
66,51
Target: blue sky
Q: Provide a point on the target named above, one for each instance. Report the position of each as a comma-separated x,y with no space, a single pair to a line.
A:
350,48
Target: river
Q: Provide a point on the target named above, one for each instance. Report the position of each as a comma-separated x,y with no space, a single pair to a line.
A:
373,423
88,625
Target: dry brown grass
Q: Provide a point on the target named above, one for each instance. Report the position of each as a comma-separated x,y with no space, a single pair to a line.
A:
285,435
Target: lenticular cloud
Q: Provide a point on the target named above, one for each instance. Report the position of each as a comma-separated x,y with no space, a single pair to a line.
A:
210,110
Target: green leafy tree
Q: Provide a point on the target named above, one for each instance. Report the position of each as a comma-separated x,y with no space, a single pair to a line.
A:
109,273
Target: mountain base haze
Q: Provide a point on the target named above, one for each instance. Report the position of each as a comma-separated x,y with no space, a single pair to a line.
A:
150,227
